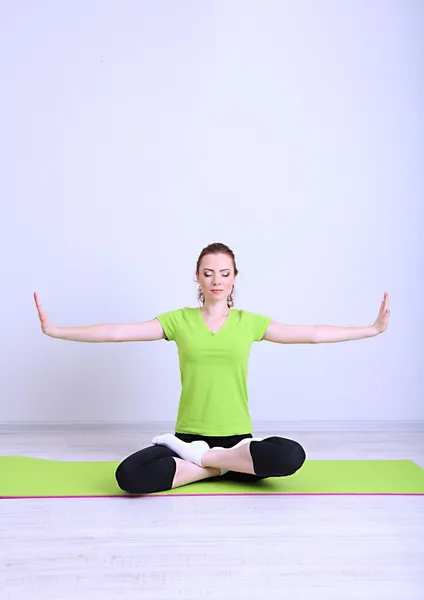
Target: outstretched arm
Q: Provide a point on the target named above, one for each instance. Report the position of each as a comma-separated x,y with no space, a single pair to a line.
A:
145,331
322,334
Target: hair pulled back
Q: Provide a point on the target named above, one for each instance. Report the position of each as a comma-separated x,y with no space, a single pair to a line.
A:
216,248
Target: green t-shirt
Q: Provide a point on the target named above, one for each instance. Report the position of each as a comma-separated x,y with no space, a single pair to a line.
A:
213,367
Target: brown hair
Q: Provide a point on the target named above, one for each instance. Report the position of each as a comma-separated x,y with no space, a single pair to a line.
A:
216,248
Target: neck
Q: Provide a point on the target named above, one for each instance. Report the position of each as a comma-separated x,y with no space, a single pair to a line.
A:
217,310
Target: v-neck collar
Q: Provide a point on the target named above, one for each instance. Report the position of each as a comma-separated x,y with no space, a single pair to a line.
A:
207,328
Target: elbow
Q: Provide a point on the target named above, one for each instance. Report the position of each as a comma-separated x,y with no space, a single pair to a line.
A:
315,339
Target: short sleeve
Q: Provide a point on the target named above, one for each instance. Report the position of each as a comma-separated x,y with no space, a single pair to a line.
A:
170,321
260,325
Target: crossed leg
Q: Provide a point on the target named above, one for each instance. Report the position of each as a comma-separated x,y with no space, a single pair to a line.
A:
159,467
249,460
188,472
214,461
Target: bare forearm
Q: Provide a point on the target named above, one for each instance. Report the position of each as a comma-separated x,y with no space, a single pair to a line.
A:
91,333
332,333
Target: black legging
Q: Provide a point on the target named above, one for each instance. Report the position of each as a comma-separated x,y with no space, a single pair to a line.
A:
153,469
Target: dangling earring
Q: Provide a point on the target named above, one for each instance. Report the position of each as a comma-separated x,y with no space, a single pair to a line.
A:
230,298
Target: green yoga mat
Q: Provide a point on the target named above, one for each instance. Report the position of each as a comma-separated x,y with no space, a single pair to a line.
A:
24,477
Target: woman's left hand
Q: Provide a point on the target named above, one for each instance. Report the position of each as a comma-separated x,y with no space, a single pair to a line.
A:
382,321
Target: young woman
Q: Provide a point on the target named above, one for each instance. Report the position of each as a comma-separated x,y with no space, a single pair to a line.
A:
213,430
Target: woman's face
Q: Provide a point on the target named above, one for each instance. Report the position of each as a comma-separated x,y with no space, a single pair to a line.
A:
216,271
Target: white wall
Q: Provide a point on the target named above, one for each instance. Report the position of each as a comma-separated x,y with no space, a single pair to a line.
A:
133,134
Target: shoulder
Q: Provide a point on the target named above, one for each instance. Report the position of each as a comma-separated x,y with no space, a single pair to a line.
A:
178,314
256,323
173,321
249,317
177,311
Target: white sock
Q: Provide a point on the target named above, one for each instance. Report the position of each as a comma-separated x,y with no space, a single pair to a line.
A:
192,451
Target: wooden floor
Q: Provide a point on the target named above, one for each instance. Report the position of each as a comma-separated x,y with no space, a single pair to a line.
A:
293,548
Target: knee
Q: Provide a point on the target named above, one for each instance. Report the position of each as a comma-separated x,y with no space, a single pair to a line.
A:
146,479
297,457
277,457
123,477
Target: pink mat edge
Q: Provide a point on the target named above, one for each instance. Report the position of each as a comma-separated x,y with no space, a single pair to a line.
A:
156,495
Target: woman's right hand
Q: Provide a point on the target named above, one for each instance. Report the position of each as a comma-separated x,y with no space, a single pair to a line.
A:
47,326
